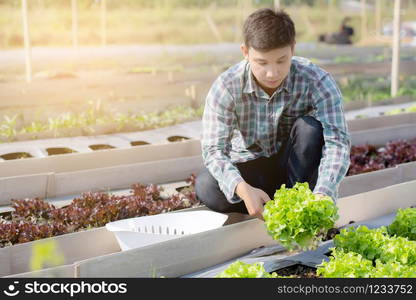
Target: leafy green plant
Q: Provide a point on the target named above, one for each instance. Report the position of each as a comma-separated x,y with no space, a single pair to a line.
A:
345,265
393,270
404,224
34,219
373,89
240,269
345,59
35,127
96,116
397,111
8,127
353,265
376,244
45,253
362,240
298,218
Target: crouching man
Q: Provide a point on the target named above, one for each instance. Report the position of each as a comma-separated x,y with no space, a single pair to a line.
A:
271,119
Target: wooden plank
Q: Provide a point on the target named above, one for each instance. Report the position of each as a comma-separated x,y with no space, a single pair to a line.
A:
100,256
98,159
74,247
381,136
123,176
382,121
361,183
23,186
65,271
180,256
6,261
14,260
407,171
376,203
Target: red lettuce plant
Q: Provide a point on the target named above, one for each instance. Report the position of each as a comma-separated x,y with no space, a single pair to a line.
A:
34,219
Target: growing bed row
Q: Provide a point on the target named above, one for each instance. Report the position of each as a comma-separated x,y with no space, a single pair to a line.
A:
95,147
358,253
101,256
35,219
93,122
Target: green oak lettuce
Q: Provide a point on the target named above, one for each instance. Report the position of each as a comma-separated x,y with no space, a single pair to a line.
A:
376,244
404,224
345,265
298,218
240,269
353,265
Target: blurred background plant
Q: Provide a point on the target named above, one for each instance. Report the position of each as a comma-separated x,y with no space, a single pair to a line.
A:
45,254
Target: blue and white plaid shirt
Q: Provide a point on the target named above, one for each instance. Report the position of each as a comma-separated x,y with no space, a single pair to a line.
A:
239,114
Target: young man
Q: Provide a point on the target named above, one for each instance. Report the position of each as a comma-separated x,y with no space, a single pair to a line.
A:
269,120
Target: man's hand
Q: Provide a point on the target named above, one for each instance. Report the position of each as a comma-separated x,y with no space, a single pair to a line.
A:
253,198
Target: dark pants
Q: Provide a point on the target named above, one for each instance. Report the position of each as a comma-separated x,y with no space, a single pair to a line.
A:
297,161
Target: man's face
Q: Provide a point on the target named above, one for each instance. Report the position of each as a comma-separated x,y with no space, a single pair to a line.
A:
269,68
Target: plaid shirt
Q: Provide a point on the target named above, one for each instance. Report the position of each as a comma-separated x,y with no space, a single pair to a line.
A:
238,114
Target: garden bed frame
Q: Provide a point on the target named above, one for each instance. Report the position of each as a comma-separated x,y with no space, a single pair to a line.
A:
191,253
361,131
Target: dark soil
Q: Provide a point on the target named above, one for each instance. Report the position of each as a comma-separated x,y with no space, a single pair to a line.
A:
58,151
16,155
101,147
139,143
177,138
331,234
298,271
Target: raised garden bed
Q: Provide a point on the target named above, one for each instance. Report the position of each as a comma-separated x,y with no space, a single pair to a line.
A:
94,121
276,259
388,249
189,254
34,219
368,158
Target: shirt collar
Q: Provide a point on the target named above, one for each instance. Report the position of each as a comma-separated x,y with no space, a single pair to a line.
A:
250,85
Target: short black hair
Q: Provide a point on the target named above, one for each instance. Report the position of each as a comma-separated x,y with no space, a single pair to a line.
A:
266,29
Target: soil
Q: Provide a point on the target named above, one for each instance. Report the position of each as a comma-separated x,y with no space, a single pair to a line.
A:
298,271
331,234
58,151
101,147
139,143
177,138
15,155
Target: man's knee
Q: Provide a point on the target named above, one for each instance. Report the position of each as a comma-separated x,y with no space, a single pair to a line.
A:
308,130
209,193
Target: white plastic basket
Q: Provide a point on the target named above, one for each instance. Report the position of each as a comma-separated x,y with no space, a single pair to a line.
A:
141,231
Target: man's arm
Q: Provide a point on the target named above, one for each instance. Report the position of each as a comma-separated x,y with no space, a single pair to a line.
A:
327,101
218,121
